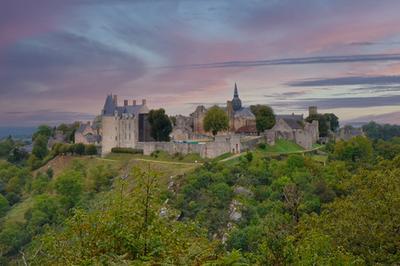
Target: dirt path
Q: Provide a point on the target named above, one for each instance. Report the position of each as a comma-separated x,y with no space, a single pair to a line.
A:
154,161
273,153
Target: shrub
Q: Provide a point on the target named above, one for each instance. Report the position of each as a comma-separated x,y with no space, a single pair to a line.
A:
262,146
90,149
126,150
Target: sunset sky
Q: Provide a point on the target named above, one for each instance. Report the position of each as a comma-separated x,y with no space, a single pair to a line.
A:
59,59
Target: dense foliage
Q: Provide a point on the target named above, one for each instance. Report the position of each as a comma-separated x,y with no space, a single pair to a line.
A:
377,131
215,120
326,122
161,125
252,210
265,117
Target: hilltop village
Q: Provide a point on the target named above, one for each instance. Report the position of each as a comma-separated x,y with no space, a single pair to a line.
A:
127,126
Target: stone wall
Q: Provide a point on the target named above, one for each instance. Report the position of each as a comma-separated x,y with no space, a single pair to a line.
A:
252,143
221,145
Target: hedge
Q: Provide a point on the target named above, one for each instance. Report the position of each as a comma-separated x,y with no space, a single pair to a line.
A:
126,150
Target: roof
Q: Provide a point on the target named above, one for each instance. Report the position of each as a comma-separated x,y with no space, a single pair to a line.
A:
294,124
290,116
130,109
244,112
247,129
110,107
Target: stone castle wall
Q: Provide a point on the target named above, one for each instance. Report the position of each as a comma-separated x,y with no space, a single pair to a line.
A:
205,150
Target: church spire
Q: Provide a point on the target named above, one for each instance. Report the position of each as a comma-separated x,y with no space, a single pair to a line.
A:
235,93
236,102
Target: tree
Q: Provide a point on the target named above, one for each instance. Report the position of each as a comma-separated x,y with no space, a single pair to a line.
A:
215,120
355,150
333,121
69,187
40,147
161,125
6,146
265,117
126,229
43,130
17,155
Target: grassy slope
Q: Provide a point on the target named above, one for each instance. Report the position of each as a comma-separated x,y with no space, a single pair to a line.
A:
121,162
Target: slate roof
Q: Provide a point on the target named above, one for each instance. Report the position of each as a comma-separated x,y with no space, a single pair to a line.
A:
110,107
294,124
290,116
244,112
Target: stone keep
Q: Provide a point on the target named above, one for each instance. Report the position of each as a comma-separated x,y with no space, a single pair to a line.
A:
123,126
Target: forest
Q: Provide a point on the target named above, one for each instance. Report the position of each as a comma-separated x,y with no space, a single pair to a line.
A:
255,210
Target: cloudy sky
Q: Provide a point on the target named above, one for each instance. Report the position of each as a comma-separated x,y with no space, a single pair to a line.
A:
60,58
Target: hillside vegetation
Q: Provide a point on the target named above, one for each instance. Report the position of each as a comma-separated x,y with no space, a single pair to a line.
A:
257,209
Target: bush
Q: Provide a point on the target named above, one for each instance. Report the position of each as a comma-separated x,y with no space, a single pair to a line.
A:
90,149
79,148
126,150
262,146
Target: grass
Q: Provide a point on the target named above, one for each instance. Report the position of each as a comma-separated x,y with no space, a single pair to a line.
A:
223,156
282,146
17,212
161,156
320,158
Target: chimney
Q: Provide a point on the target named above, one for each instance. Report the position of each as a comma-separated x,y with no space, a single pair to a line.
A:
143,101
134,102
125,102
115,99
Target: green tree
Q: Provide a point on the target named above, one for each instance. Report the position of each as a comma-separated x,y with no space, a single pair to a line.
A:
161,125
265,117
333,121
6,146
355,150
69,186
127,228
101,177
40,147
43,130
216,120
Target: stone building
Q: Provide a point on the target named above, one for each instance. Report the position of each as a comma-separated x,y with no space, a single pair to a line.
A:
348,132
87,134
183,128
238,115
123,126
294,128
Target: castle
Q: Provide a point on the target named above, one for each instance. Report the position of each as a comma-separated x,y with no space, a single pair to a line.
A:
127,126
123,126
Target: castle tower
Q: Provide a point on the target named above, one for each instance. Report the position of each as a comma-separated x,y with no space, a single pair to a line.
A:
312,110
236,102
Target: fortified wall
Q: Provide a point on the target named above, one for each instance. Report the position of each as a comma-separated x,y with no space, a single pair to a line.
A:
221,145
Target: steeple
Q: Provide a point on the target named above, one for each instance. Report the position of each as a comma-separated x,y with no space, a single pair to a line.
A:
236,102
235,93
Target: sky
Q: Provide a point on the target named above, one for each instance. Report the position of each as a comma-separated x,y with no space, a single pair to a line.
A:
60,58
